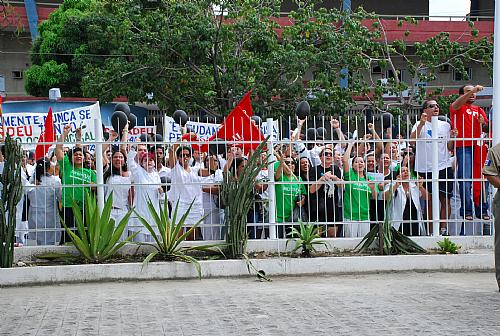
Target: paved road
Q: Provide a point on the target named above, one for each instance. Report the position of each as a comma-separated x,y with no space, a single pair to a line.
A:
376,304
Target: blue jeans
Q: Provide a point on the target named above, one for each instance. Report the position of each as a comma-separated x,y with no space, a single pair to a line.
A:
464,162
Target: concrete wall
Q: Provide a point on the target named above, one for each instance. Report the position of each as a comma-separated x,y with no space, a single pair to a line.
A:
9,62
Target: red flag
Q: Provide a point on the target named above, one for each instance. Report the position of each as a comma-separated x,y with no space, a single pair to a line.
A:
246,105
239,128
48,135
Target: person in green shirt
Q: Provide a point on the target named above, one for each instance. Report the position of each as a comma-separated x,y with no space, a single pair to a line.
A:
289,194
73,174
358,191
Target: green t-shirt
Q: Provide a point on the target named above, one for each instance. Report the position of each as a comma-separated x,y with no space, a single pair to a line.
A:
287,195
71,175
357,197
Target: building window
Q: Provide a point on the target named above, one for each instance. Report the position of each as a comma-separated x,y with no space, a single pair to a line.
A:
2,83
17,74
457,76
376,70
401,74
445,68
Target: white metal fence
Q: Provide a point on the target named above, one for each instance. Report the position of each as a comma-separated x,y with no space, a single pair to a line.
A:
344,174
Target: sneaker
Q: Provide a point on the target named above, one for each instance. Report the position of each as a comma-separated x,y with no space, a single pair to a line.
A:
443,232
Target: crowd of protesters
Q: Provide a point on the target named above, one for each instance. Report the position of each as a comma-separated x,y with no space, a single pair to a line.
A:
344,183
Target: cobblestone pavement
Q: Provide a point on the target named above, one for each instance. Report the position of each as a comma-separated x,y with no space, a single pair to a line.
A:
375,304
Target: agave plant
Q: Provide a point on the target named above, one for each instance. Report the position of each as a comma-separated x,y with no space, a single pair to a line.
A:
170,237
11,193
305,238
98,236
238,196
392,241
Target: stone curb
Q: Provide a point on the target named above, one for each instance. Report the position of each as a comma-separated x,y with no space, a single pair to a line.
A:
38,275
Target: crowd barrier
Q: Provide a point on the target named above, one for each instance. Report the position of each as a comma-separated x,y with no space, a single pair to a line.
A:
412,182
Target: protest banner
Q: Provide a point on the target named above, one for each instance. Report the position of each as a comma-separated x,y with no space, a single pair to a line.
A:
27,127
205,130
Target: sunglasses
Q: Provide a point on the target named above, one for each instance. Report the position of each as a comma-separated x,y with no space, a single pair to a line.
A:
328,154
289,163
433,106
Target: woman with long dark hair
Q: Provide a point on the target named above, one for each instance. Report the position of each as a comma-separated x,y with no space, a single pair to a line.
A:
44,196
118,183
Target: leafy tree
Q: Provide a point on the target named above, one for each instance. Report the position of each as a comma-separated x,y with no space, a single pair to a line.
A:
69,40
191,57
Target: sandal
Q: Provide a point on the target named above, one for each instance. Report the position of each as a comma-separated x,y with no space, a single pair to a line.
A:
486,217
469,217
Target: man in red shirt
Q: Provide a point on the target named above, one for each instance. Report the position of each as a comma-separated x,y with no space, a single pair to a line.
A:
469,120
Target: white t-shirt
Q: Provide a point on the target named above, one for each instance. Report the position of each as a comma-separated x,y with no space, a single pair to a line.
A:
423,155
186,186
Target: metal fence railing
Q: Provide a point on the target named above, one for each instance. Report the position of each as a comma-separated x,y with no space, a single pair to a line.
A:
343,174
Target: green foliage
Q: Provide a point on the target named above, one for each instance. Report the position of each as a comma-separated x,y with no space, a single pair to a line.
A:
393,241
447,246
170,236
191,58
305,239
11,188
68,42
238,195
97,236
48,75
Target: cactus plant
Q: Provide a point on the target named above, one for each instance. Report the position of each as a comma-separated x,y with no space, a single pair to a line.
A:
11,190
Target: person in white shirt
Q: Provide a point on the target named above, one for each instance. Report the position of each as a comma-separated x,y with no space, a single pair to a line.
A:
118,184
44,196
422,133
186,186
146,187
405,212
212,226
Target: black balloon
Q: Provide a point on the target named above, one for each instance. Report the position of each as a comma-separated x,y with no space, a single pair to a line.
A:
158,138
386,120
217,149
369,115
123,107
180,117
311,134
118,121
257,120
444,118
144,137
321,132
132,121
303,109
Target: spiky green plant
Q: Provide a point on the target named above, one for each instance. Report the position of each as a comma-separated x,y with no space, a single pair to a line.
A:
238,196
11,195
394,242
170,237
97,237
305,238
447,246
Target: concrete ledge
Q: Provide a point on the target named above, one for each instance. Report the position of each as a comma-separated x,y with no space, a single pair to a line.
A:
232,268
268,245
